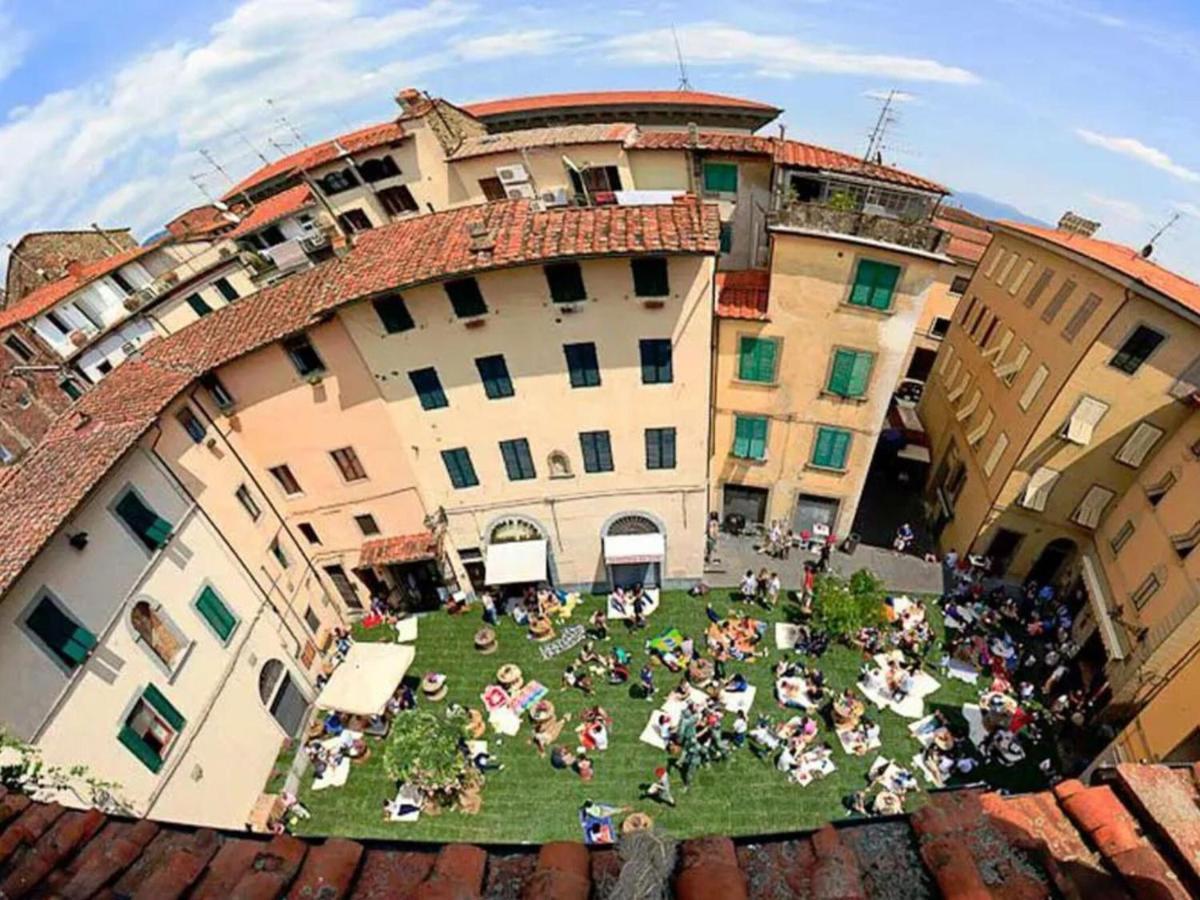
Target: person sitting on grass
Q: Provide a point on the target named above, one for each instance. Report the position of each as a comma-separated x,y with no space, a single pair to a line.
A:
659,789
599,625
574,677
618,666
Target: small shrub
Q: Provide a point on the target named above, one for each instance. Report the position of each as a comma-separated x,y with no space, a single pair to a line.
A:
841,608
422,750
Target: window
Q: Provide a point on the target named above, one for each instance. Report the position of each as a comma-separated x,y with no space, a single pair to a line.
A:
1155,492
71,388
988,332
465,297
983,313
227,290
337,181
151,530
121,281
310,533
366,524
756,359
1006,268
248,502
979,432
354,221
219,393
1139,444
850,372
1035,384
517,460
582,365
1145,591
750,437
284,701
19,348
150,729
656,360
1022,274
968,409
720,178
1039,288
278,552
831,448
378,169
398,200
597,451
193,426
1082,424
1080,317
1064,292
566,282
1185,543
650,276
287,481
24,401
660,448
1008,371
346,459
595,179
997,451
967,311
1037,490
1136,349
959,389
303,356
393,313
459,468
493,189
158,634
493,372
939,326
54,629
1092,507
198,304
1121,537
874,284
311,620
959,284
429,388
725,237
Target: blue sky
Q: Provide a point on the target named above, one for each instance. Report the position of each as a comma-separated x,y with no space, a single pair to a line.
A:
1046,104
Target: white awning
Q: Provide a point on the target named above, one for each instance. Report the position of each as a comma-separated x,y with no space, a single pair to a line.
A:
915,452
1037,490
1099,600
1087,415
515,562
367,678
908,417
623,549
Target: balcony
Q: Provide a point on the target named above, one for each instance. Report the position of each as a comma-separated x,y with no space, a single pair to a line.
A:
830,219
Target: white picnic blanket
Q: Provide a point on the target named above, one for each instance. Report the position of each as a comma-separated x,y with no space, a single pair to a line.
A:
333,776
406,630
793,692
846,738
739,701
931,774
913,705
956,668
786,635
963,616
617,612
409,796
974,716
673,708
504,721
923,729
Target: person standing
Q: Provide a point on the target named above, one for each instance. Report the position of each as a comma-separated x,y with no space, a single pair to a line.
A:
489,608
710,538
647,678
823,558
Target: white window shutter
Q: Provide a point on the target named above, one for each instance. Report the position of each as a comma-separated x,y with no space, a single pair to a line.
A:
1037,491
997,451
947,356
1082,424
1139,444
970,406
960,389
1009,370
1188,383
1000,346
979,432
1092,506
1026,268
1035,384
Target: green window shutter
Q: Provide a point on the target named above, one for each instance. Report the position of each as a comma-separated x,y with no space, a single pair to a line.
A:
741,437
79,643
860,374
758,438
757,360
199,305
850,373
163,707
216,613
153,531
831,448
841,447
158,531
721,177
139,748
874,284
750,437
65,637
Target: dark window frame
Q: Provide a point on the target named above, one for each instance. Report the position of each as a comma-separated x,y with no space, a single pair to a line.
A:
656,357
518,459
661,448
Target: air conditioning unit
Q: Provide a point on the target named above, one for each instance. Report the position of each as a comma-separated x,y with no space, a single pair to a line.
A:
520,192
556,197
225,252
514,174
129,348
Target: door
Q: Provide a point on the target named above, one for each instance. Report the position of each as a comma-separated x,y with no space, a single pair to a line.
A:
1002,549
418,583
341,581
627,575
811,510
289,706
1050,563
921,364
749,502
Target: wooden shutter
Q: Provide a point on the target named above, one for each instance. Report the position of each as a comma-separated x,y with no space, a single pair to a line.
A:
860,373
1135,449
758,438
163,707
997,451
214,611
1092,506
139,748
885,285
757,360
831,448
1037,491
745,433
1075,324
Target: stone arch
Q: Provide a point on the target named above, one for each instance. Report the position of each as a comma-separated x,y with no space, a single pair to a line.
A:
514,527
1056,555
559,464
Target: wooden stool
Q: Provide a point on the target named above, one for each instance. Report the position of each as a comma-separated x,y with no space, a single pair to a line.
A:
485,641
434,687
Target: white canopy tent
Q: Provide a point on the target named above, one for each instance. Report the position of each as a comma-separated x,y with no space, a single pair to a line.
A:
515,562
630,549
367,678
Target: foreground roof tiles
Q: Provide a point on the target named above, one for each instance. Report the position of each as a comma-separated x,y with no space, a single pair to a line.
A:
611,98
1121,259
966,243
743,294
273,208
1130,837
42,491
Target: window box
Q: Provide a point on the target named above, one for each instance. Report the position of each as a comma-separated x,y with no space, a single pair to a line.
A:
650,303
475,322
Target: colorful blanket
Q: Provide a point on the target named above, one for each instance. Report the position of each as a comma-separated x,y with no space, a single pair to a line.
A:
570,637
668,642
528,695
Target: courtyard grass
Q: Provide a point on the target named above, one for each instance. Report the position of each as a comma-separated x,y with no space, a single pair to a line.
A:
530,802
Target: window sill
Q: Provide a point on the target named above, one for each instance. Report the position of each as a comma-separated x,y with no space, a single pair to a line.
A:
855,307
752,460
565,476
828,470
750,383
830,395
569,306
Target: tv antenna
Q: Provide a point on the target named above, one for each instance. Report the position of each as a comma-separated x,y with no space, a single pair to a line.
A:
684,84
1149,248
286,122
886,118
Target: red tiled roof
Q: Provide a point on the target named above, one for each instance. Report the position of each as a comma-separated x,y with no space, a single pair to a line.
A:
715,141
743,294
612,98
45,297
47,485
1134,836
273,208
200,221
966,243
1124,260
810,156
400,549
550,136
319,154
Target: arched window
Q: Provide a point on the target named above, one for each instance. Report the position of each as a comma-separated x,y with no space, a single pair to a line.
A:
559,465
158,633
514,529
283,700
633,524
378,169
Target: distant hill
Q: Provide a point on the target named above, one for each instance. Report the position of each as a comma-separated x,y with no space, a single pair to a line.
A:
991,209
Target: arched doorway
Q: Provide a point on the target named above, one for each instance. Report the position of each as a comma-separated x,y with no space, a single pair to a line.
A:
1052,560
518,553
283,699
634,550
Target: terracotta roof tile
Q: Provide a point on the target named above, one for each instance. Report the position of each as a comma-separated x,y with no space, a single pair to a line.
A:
966,242
273,208
611,98
401,549
1121,259
713,141
1169,799
743,294
550,136
200,221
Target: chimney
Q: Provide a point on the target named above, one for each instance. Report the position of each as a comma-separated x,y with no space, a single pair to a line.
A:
74,268
1072,223
482,240
693,134
410,101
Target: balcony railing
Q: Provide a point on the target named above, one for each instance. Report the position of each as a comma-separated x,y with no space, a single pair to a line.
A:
885,229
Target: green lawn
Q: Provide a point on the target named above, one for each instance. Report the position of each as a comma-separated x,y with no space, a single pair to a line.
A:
530,802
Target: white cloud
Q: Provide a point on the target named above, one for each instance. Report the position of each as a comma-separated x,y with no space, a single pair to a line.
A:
1122,209
714,43
530,42
14,42
1135,149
